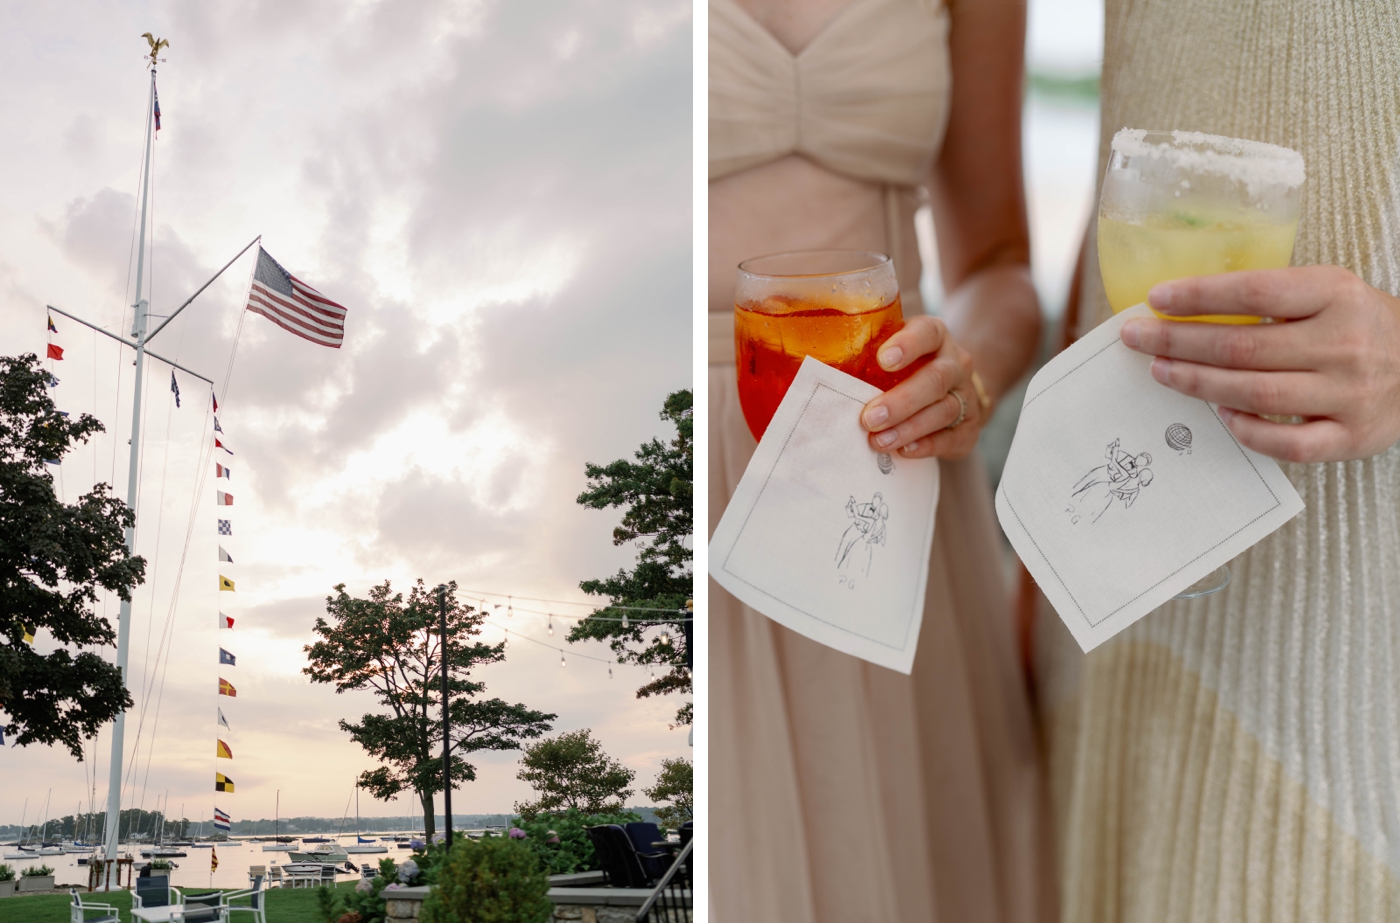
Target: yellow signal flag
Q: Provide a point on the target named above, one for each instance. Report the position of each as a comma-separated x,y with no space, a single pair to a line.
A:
222,783
226,584
222,751
213,860
226,688
28,635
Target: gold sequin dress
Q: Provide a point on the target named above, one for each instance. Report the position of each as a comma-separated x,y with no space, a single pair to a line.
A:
1237,757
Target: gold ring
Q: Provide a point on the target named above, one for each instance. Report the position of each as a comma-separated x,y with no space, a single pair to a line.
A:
962,410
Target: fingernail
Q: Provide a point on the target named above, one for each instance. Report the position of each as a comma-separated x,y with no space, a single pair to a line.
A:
1226,413
1161,369
1161,295
876,416
887,437
1131,333
890,357
910,447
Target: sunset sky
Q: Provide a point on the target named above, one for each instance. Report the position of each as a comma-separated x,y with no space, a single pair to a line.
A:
499,193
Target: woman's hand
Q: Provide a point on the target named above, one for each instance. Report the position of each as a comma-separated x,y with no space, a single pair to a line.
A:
913,416
1335,362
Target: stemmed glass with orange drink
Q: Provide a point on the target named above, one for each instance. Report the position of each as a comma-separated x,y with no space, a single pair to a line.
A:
1178,204
837,306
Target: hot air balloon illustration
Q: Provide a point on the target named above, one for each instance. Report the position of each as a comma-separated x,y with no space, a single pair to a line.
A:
1179,437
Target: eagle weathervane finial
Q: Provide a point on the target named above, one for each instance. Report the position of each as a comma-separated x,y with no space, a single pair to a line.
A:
156,45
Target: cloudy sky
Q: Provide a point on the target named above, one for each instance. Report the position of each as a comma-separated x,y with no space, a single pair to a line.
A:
499,193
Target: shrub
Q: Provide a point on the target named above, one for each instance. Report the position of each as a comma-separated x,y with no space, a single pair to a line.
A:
561,843
161,864
492,880
38,871
6,873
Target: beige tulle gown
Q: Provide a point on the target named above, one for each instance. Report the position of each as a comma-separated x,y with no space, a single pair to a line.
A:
841,791
1237,757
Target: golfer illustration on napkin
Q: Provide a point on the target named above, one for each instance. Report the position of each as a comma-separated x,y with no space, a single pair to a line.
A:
1121,479
867,531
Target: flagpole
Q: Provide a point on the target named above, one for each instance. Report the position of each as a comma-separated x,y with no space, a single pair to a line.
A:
138,331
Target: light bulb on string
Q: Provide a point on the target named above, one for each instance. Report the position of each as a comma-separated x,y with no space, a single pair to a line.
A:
609,672
561,661
665,637
551,625
510,610
624,620
507,644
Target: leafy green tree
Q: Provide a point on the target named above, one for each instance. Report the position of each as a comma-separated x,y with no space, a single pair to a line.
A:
572,771
674,783
54,557
656,493
391,646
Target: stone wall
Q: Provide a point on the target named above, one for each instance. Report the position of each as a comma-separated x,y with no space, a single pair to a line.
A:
404,905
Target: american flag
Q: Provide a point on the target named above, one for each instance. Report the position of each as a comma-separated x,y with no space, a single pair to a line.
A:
293,305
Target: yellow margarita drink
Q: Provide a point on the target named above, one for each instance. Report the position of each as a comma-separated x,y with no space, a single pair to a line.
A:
1183,204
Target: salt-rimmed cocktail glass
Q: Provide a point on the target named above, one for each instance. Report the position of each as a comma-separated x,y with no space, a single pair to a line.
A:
1178,204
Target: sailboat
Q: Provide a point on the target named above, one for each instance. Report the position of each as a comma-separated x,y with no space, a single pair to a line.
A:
279,843
363,844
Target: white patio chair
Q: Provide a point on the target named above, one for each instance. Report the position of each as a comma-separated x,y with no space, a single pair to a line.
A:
255,906
79,910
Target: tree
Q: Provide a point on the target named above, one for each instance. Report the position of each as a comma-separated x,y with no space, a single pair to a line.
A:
655,492
674,784
572,771
54,557
391,646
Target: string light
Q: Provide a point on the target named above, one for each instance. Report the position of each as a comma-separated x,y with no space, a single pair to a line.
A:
624,620
561,661
666,637
551,626
510,610
609,672
507,645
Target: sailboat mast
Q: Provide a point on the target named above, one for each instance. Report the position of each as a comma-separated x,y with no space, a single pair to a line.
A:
114,778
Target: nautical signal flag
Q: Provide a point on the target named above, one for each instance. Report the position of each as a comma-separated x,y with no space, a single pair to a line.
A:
221,471
224,555
225,527
28,634
225,499
175,387
219,445
226,657
223,752
2,737
213,860
222,719
225,621
222,783
293,305
52,328
226,688
217,427
156,96
226,584
55,351
221,820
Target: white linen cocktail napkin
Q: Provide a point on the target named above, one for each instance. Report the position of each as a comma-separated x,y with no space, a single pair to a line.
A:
824,535
1120,493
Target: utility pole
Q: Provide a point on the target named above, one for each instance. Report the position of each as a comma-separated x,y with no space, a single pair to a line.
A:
446,720
139,338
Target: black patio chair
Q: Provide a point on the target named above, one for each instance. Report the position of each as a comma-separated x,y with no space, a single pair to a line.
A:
655,861
686,831
617,857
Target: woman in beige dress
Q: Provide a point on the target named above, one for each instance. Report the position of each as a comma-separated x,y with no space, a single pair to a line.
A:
842,791
1237,757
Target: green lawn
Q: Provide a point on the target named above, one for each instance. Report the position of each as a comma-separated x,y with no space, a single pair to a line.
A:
284,905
